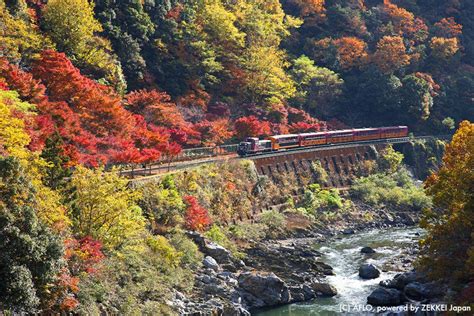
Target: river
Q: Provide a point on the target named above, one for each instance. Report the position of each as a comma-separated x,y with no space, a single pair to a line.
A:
345,257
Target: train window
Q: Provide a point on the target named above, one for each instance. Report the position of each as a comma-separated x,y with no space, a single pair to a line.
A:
288,140
314,137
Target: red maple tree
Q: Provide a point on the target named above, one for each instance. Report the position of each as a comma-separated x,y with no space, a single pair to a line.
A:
196,217
251,126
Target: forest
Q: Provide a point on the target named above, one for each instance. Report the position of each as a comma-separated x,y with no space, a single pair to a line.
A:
88,85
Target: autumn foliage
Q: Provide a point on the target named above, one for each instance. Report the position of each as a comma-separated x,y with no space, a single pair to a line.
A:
83,255
250,126
94,125
444,48
448,251
391,54
196,217
351,51
447,27
311,8
402,19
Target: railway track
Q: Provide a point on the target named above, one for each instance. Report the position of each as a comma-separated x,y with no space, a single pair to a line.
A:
154,170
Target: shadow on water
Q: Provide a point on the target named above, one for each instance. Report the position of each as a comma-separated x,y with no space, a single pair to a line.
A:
345,257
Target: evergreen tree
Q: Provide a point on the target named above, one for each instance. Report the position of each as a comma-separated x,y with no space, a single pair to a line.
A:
31,254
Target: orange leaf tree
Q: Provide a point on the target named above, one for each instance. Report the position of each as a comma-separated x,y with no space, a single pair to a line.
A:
351,52
448,250
391,54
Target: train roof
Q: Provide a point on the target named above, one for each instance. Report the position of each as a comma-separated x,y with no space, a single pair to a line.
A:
312,133
390,127
365,129
283,136
341,131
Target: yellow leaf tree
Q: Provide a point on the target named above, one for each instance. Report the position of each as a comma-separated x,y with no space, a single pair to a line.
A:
103,207
444,48
19,40
73,28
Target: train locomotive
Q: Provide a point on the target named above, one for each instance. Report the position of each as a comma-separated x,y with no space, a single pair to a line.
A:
253,145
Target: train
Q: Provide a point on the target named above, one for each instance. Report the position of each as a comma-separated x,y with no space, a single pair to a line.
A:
254,145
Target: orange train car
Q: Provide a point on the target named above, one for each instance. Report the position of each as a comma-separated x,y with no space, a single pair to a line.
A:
253,145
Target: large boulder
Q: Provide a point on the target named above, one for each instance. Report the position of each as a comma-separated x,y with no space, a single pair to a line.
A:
385,297
266,287
419,291
219,253
369,271
210,263
367,250
323,289
400,280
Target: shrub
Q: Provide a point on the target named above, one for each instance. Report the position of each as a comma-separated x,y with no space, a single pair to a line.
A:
134,282
255,231
216,235
315,199
389,160
160,246
320,173
190,255
162,203
274,221
393,189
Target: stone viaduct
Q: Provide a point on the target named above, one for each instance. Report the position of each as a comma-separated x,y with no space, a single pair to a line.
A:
339,163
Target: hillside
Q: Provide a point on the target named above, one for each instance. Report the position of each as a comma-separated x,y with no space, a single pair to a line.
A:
89,85
157,76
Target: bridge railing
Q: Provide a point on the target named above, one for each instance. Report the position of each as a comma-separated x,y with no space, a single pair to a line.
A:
203,152
185,155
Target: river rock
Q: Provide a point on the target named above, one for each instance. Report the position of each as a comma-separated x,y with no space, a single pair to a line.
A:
367,250
210,263
265,286
417,291
214,289
219,253
348,231
323,289
368,271
400,280
235,310
296,294
385,297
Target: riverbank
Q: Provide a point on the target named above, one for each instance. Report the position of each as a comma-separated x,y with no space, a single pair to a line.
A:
285,270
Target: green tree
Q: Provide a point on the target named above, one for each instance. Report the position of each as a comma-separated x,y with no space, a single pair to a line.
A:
31,253
104,207
416,94
57,169
449,123
389,160
130,29
318,88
